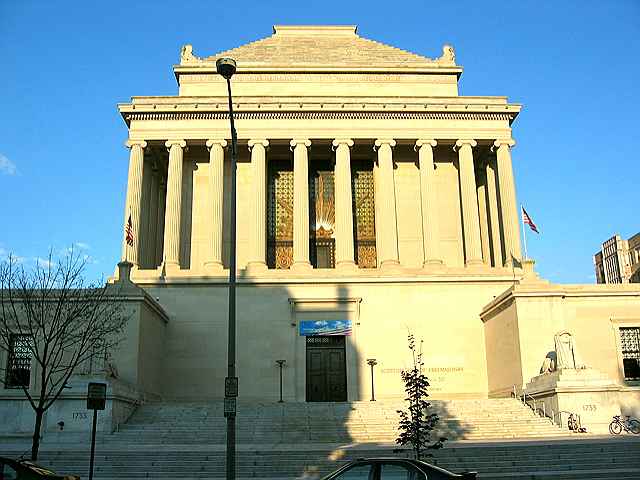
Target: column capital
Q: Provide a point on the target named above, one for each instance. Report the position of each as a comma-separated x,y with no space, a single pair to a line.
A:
300,141
465,141
424,142
384,141
261,141
216,141
131,143
179,142
342,141
509,142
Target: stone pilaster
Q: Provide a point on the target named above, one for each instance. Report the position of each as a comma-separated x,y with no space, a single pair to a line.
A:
470,220
494,216
510,222
134,201
213,256
300,204
258,258
152,216
428,202
385,198
484,221
343,228
162,202
173,206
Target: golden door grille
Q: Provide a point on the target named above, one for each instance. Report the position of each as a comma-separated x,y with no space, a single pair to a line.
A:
280,215
363,195
322,217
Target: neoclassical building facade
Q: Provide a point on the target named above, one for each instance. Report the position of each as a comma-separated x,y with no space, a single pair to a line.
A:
373,201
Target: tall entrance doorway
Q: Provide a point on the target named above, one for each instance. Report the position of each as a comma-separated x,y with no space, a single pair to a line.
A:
326,369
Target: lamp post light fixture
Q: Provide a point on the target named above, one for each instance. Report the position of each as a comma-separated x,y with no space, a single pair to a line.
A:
372,363
281,364
227,67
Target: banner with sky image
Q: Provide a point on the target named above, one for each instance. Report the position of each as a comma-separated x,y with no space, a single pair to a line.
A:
325,327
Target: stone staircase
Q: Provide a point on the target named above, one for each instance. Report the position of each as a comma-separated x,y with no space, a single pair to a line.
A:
334,423
293,440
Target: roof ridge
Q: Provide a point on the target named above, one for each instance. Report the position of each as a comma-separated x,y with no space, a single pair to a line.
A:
228,51
397,48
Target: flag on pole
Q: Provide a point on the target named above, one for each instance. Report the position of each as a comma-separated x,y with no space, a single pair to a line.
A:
129,232
526,219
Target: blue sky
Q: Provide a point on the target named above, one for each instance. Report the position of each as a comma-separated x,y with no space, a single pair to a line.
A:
573,65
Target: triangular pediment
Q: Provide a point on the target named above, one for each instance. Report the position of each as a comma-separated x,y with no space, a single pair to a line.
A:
323,47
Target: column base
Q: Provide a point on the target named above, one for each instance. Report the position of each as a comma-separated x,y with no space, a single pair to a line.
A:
256,267
389,264
169,268
301,267
433,265
346,266
213,268
474,262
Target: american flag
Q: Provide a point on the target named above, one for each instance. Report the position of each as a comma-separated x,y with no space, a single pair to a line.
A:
526,219
129,232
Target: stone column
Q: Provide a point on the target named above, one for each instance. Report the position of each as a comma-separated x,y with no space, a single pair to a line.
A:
133,202
510,223
385,198
213,256
494,217
173,206
428,202
343,228
258,256
470,220
300,204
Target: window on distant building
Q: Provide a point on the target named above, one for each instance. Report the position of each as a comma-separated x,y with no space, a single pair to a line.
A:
630,346
18,372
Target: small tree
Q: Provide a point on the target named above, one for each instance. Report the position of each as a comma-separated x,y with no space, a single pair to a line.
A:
61,321
416,423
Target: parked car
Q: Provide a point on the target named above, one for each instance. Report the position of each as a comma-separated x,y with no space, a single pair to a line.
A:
26,470
394,469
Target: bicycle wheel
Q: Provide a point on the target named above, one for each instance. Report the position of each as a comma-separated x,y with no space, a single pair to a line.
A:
634,426
615,428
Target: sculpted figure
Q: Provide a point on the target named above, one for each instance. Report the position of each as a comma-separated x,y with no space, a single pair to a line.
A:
448,55
565,350
186,54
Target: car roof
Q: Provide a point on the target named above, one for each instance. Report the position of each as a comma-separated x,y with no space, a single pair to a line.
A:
417,463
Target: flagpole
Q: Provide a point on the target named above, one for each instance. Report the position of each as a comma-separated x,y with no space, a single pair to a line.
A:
524,232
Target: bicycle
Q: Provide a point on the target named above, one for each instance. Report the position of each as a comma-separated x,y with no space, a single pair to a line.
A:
630,425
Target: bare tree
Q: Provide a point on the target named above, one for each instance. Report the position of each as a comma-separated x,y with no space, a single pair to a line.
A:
58,320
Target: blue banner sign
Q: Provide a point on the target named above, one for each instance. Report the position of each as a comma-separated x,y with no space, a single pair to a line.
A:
325,327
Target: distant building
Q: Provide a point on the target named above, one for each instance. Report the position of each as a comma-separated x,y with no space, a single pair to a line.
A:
618,261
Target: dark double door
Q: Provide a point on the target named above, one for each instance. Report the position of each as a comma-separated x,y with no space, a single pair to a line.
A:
326,369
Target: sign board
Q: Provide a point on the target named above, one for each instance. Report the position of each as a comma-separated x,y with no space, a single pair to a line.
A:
231,387
96,396
229,407
325,327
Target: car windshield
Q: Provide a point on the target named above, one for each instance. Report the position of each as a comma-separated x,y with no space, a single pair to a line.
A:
38,468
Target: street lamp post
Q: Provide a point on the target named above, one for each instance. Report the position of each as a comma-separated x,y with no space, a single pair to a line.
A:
227,67
281,365
372,362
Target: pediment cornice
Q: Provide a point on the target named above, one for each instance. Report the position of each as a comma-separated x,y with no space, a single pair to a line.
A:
457,108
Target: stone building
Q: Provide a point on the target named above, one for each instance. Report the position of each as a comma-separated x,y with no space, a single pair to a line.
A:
618,261
373,200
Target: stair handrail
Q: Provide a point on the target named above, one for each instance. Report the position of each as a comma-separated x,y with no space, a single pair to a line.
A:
541,412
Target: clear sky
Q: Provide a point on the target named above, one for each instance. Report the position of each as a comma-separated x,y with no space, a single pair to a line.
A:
574,65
